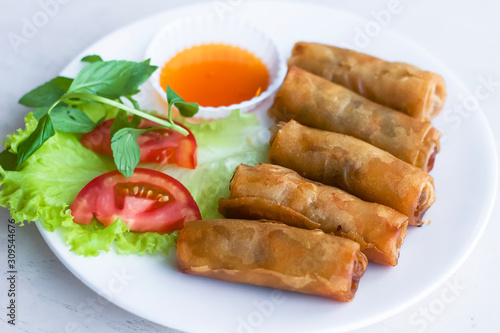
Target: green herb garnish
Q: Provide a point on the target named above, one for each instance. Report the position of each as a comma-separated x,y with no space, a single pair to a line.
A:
47,94
126,151
91,58
106,82
42,133
67,119
121,121
186,109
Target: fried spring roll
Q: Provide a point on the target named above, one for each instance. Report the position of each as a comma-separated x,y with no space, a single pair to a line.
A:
319,103
354,166
400,86
273,255
272,192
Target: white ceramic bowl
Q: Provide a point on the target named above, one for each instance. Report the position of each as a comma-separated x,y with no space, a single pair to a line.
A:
192,31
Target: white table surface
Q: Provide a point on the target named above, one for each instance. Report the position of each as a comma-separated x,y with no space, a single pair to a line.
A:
463,34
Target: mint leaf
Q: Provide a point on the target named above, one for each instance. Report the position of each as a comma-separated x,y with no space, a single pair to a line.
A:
71,120
172,96
104,82
126,151
121,121
112,79
67,119
40,112
43,132
186,109
136,121
91,58
48,93
8,160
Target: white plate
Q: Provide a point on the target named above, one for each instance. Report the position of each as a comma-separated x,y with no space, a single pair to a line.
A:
465,175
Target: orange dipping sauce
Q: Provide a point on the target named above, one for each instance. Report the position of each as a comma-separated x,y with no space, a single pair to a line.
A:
215,75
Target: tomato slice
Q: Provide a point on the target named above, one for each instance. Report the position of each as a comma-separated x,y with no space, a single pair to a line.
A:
147,201
163,146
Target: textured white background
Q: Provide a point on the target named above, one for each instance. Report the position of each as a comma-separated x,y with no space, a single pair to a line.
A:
463,34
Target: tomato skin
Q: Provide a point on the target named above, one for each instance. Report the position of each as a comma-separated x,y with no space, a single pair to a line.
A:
163,146
111,195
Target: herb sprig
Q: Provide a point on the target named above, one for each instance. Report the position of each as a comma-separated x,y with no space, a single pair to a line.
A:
57,100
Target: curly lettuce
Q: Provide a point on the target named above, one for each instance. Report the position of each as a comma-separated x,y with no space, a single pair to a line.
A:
44,187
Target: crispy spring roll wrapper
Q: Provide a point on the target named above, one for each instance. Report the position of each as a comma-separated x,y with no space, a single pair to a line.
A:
354,166
272,192
406,88
273,255
319,103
